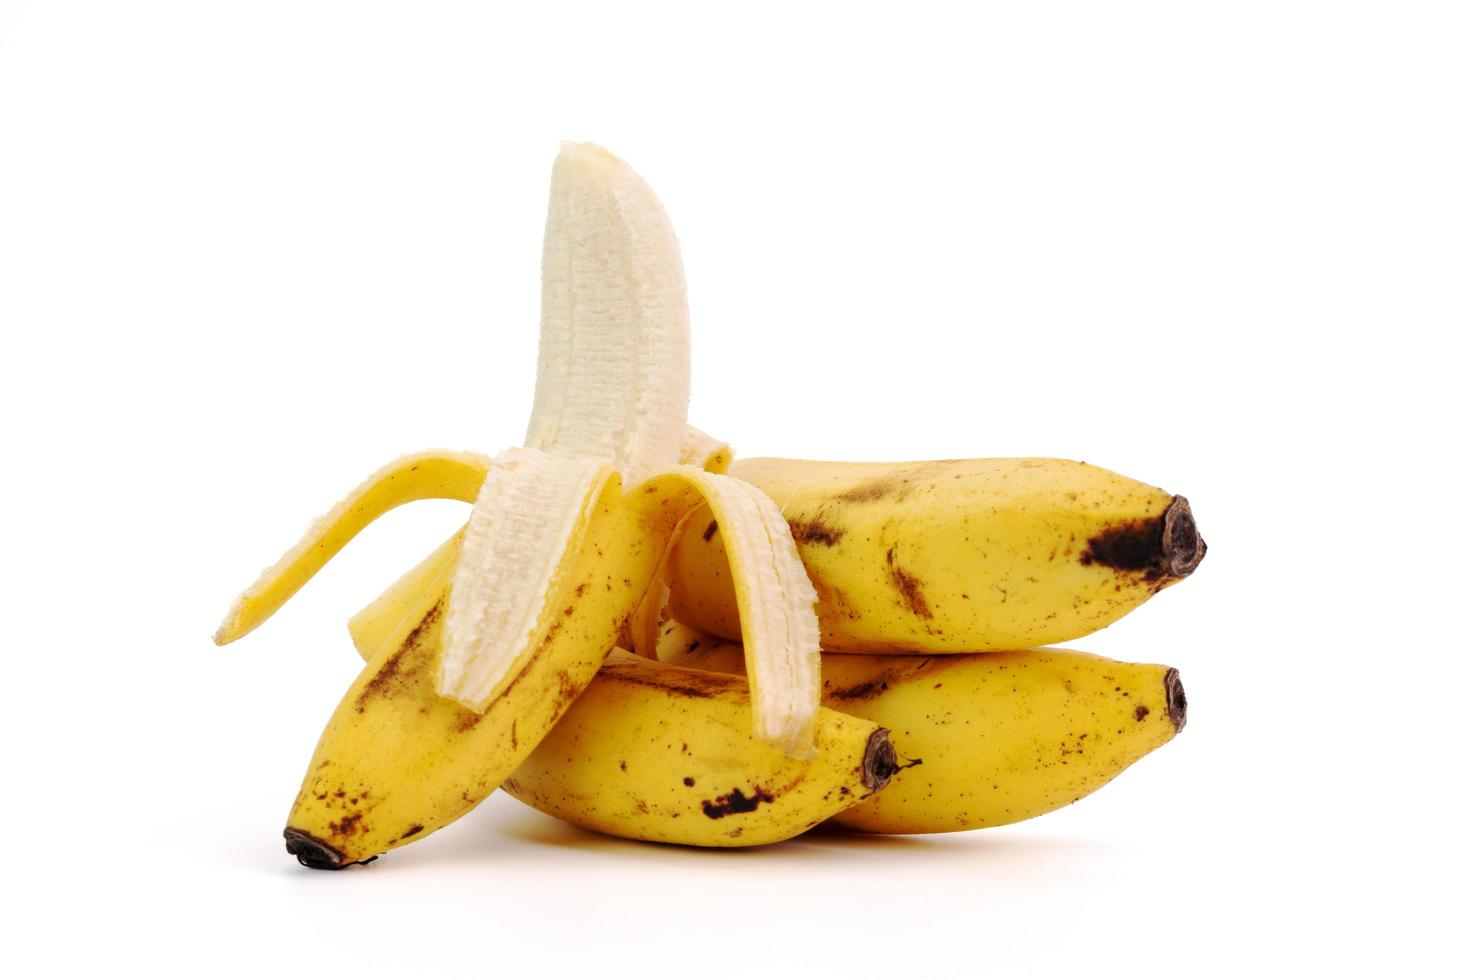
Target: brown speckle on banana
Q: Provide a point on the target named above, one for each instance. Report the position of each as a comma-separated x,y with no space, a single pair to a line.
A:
662,753
954,556
1001,736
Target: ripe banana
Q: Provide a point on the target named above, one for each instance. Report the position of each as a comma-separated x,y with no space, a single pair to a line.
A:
662,753
530,597
397,761
953,556
986,739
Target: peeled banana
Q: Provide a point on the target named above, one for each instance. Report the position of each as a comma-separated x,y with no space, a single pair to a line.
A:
951,556
492,662
397,761
564,538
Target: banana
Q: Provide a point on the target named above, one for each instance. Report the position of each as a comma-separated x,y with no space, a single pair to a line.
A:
660,753
953,556
563,540
370,626
397,761
986,739
657,752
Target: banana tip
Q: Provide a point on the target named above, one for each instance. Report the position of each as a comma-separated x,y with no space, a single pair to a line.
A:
1184,549
1174,697
313,852
880,761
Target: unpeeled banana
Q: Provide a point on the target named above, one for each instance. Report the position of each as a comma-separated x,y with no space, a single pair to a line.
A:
951,556
991,738
661,753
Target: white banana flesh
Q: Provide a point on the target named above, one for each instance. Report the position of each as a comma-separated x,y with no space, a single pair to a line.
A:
612,397
529,515
612,380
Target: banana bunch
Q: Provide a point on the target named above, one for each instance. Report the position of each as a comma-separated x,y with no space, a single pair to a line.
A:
637,634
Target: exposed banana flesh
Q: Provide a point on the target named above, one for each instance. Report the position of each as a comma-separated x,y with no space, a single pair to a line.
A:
397,761
509,638
493,661
373,622
952,556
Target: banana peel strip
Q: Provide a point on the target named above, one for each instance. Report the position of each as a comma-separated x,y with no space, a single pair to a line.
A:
428,475
703,452
776,610
432,474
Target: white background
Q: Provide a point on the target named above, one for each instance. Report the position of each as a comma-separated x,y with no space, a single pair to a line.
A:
248,252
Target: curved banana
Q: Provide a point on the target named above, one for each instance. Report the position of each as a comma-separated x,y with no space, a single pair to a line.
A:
661,753
515,624
987,739
397,761
953,556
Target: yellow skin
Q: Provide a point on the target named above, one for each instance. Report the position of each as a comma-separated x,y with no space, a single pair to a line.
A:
397,761
430,475
953,556
653,752
987,739
984,739
661,753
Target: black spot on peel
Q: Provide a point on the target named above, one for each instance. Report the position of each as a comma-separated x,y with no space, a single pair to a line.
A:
1157,549
1140,712
910,589
402,666
1135,546
688,780
347,826
709,532
816,531
417,828
735,802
